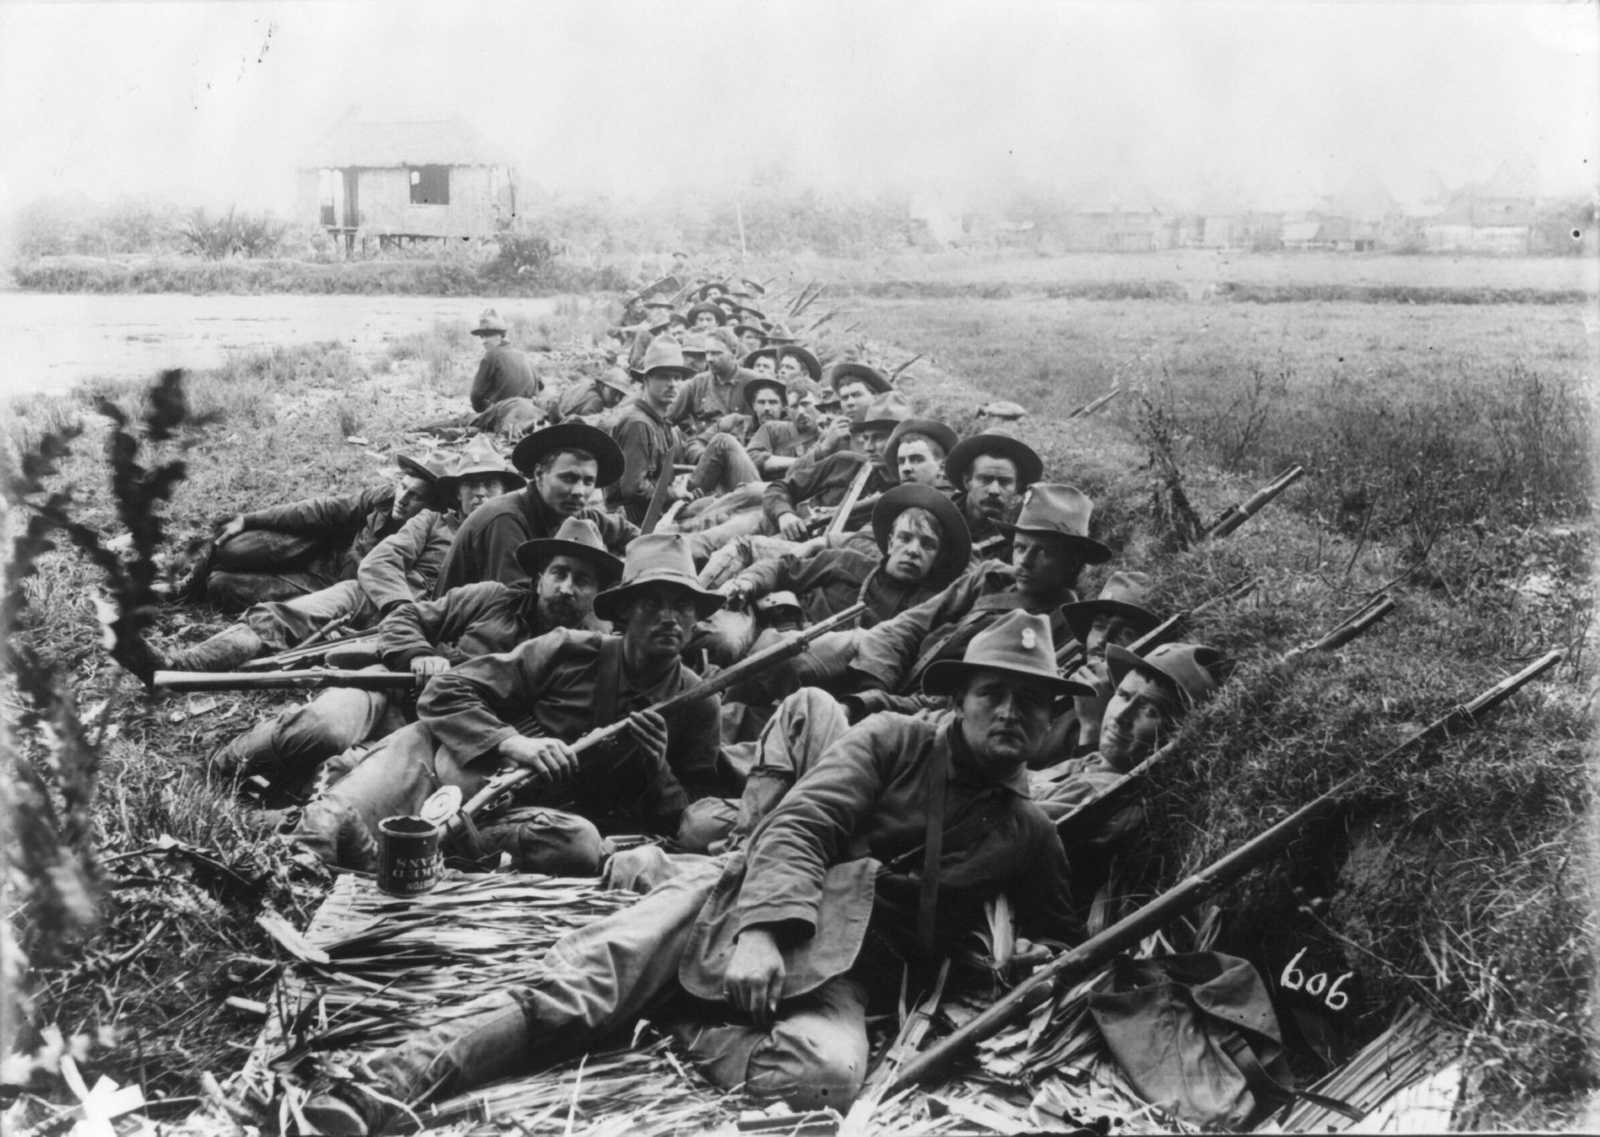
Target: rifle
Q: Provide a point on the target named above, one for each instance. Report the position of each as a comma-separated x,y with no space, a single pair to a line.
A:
1236,515
308,652
314,678
904,1047
1070,656
508,780
661,490
1093,811
1095,404
838,522
1077,964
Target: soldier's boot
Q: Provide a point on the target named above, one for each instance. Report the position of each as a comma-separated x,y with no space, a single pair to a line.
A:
486,1040
235,644
251,754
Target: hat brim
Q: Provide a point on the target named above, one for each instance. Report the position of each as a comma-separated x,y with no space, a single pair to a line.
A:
416,469
693,313
947,675
955,548
1030,467
609,604
1081,615
449,483
1090,551
532,555
489,331
571,436
844,372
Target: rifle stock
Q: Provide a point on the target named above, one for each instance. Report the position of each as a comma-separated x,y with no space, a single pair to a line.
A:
310,651
312,678
1236,515
1078,963
510,779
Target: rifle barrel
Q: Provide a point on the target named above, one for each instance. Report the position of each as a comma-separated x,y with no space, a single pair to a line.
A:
1076,964
1237,515
721,681
311,678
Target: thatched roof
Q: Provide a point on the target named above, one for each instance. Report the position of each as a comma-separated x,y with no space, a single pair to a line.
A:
420,142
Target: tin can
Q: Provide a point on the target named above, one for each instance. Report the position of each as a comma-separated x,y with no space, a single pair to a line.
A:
408,855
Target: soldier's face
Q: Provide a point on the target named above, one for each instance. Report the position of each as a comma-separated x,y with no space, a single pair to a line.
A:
1140,713
915,462
751,342
1108,628
474,491
411,493
869,442
1044,565
854,397
704,321
566,590
763,366
567,483
719,359
992,487
492,340
913,547
661,387
658,620
1004,719
767,405
790,370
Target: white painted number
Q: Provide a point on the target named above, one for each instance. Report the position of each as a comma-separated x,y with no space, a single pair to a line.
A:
1317,985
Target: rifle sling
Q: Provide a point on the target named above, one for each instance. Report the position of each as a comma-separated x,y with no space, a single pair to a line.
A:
1268,1091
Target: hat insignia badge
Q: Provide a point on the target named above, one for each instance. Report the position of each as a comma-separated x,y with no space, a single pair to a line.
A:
1029,640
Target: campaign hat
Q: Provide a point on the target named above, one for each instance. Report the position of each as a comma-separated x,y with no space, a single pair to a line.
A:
1183,667
577,537
933,428
842,373
958,460
656,558
490,324
1061,511
570,436
1018,644
1123,594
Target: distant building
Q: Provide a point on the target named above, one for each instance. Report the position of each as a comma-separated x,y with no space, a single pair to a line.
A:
1496,216
401,181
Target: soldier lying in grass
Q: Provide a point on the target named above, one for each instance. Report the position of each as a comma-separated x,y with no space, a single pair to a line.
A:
399,569
765,962
428,637
524,706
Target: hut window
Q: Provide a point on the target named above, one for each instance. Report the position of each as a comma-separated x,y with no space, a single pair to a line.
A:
430,185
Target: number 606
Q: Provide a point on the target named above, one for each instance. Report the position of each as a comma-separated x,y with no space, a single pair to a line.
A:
1316,985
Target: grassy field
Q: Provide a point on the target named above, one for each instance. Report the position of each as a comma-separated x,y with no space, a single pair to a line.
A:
1457,878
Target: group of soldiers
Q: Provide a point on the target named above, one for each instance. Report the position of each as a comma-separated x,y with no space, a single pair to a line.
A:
814,828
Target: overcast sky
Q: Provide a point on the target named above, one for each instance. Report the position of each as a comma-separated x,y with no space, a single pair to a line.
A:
214,102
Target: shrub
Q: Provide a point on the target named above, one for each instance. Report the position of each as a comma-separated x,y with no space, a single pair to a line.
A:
232,234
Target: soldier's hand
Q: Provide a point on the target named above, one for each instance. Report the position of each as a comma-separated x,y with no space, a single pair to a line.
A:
649,732
754,979
550,758
792,527
233,528
429,665
738,594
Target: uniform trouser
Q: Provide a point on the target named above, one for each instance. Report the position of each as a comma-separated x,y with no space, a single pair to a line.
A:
723,467
289,747
283,623
510,418
230,591
396,777
598,979
806,724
